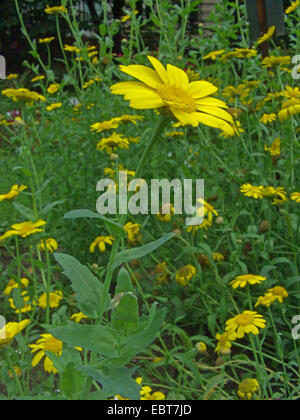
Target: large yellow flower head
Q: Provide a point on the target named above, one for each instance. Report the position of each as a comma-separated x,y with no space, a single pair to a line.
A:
245,323
190,103
23,95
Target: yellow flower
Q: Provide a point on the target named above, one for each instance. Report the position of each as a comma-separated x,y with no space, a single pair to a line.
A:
53,88
224,343
54,106
71,48
166,212
55,10
132,230
276,293
273,61
252,191
161,272
247,388
243,280
213,55
46,343
129,118
239,53
23,95
10,330
26,304
46,40
190,103
12,76
145,393
37,78
295,197
54,299
51,245
290,92
245,323
14,192
268,118
110,144
293,6
12,284
241,92
289,108
185,274
274,192
78,317
201,347
274,149
101,242
105,125
218,257
125,18
26,228
267,35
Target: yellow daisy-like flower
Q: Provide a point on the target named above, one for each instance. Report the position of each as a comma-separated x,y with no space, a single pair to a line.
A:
132,230
37,78
243,280
46,40
268,118
55,10
105,125
247,388
213,55
185,274
267,35
161,272
12,284
53,88
289,108
14,192
166,213
23,95
274,149
295,196
12,76
110,144
26,303
51,245
26,228
245,323
78,317
275,192
71,48
54,299
190,103
54,106
293,6
277,293
241,92
10,330
290,92
224,343
126,118
101,242
145,393
46,343
252,191
273,60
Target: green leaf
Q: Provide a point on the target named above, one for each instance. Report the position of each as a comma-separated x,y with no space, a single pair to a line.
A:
86,286
84,213
138,340
115,380
50,206
72,381
124,284
17,298
135,253
100,339
125,318
24,211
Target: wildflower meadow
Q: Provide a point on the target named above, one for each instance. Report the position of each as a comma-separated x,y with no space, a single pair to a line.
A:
120,279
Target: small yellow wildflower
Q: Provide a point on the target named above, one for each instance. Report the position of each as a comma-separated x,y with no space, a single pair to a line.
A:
12,284
274,149
243,280
247,388
51,245
295,196
185,274
10,330
53,88
267,35
245,323
268,118
101,242
292,7
54,299
14,192
133,231
55,10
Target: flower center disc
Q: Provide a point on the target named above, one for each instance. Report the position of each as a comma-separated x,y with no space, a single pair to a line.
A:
177,98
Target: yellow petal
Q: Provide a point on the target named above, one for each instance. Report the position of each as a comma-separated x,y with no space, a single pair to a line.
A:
216,112
177,77
162,72
142,73
200,89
